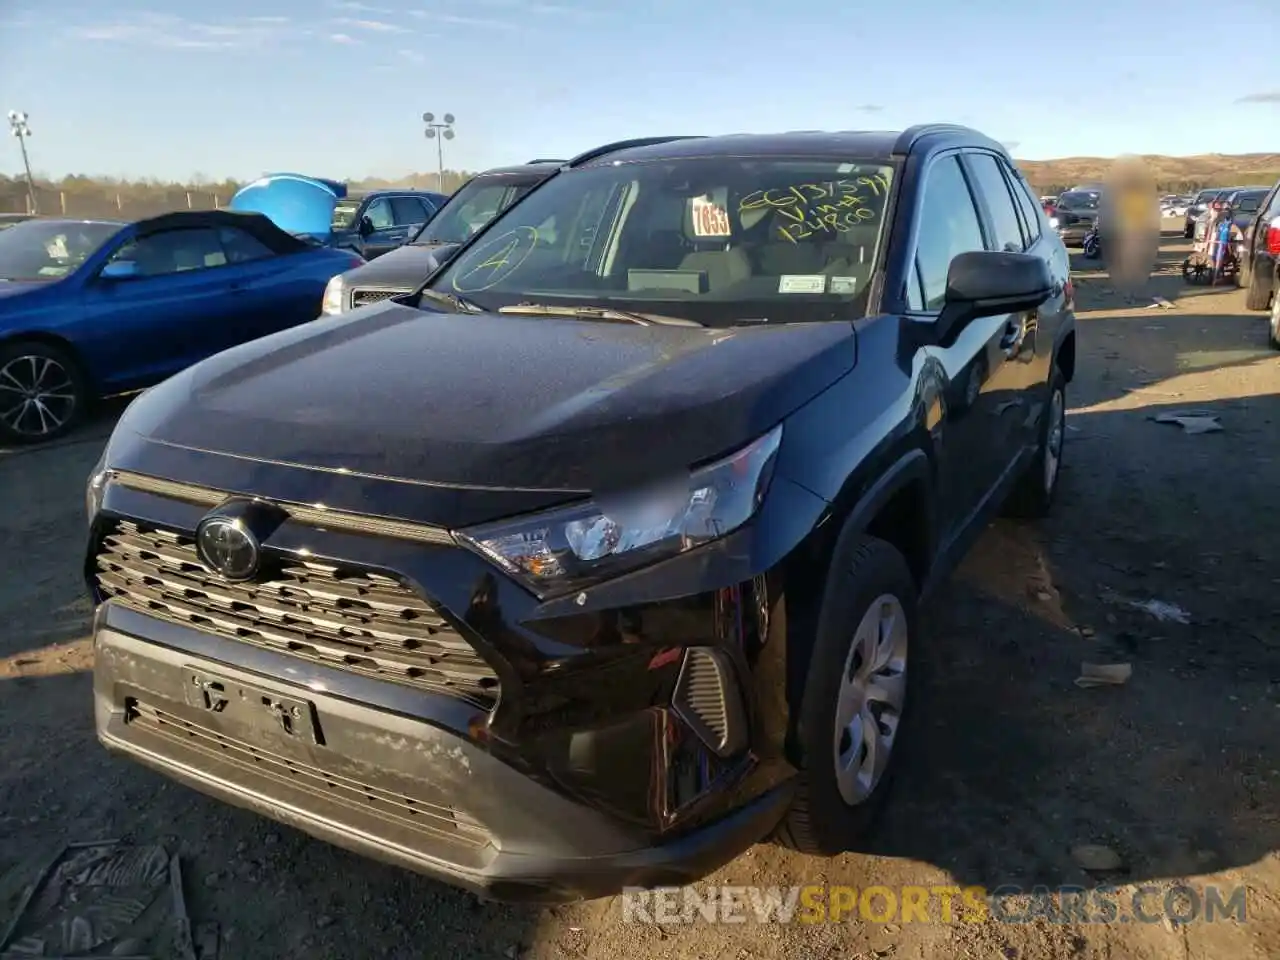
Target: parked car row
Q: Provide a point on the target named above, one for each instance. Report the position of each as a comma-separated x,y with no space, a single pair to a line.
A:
597,556
92,308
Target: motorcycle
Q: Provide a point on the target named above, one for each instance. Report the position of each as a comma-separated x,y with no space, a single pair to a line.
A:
1092,244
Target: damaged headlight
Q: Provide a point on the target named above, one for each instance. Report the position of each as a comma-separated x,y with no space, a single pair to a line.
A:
611,534
95,488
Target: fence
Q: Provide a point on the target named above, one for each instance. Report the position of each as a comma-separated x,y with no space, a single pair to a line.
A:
128,203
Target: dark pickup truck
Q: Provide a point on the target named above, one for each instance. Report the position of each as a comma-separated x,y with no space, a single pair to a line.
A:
470,208
600,558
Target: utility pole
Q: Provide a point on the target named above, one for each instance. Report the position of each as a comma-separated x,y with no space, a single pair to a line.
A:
439,132
20,129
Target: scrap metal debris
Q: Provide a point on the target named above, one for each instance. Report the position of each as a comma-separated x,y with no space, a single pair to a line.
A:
1191,421
103,899
1103,675
1161,610
1159,302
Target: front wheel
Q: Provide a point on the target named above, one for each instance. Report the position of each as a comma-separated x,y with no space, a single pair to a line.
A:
1274,323
855,697
1034,493
42,392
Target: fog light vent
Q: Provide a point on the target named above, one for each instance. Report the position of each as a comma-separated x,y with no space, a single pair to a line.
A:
708,701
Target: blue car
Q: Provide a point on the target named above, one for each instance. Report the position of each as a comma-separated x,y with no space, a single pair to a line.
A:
90,308
370,225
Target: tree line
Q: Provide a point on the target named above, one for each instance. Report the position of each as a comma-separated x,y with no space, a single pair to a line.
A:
78,195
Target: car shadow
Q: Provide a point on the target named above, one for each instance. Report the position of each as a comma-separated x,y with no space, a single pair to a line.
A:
1175,770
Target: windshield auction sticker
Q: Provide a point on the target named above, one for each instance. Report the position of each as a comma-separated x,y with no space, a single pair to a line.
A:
709,218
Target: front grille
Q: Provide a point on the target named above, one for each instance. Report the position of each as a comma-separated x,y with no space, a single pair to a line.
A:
412,812
362,298
359,621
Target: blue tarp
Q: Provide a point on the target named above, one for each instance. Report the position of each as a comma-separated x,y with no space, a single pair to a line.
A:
293,201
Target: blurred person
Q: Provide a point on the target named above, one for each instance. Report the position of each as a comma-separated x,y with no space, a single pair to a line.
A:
1129,222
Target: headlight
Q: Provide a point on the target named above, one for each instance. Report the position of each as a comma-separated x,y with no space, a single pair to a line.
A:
94,489
570,547
334,296
1053,223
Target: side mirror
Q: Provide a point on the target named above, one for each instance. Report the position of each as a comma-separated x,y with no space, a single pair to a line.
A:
984,283
119,270
366,226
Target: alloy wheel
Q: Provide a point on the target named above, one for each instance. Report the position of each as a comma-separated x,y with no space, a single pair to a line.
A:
37,395
870,702
1054,439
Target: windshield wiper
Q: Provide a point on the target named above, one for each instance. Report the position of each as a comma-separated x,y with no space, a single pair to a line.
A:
459,304
592,313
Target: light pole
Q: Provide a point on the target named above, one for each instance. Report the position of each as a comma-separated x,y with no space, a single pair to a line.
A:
439,132
18,126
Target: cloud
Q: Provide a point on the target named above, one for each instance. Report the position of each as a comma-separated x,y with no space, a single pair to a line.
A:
356,7
869,108
166,31
413,56
538,7
342,38
1270,96
373,26
485,22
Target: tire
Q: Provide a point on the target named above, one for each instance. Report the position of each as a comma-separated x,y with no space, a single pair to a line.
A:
62,403
1036,489
868,579
1258,296
1188,232
1273,324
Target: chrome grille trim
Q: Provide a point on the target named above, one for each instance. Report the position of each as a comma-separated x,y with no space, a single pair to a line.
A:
313,516
364,297
359,621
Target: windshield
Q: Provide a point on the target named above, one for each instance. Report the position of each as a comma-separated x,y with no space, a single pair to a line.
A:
43,250
471,208
1079,200
717,240
344,214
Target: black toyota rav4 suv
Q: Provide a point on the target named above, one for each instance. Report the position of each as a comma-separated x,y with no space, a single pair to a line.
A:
598,559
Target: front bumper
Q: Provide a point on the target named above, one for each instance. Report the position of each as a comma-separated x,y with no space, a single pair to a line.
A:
1075,233
374,780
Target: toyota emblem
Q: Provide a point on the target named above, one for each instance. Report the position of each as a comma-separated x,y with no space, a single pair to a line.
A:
226,546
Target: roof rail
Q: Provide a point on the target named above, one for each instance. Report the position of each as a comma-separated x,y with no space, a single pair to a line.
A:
609,148
907,139
544,160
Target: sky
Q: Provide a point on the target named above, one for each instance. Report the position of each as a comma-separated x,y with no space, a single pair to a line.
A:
337,88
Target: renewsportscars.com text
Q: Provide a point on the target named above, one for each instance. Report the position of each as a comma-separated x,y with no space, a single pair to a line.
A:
937,904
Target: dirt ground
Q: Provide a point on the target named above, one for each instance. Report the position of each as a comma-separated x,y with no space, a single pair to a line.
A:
1177,771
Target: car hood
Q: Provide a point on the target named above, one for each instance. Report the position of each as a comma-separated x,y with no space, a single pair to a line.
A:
493,401
12,288
295,203
404,268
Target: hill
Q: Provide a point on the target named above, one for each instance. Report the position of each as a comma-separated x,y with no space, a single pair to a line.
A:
1173,174
84,196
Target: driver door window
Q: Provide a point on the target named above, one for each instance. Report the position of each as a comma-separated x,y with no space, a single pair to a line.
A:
949,225
173,251
379,214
